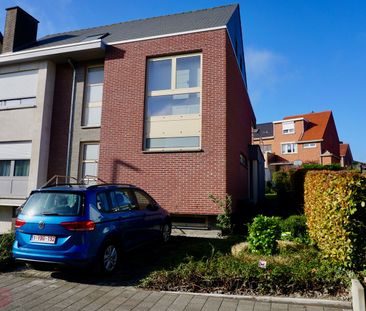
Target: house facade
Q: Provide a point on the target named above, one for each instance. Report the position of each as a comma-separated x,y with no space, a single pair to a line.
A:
307,138
160,103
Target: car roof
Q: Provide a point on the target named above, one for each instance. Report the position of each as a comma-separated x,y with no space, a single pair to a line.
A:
83,188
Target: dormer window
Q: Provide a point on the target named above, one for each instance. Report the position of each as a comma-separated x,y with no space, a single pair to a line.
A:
288,127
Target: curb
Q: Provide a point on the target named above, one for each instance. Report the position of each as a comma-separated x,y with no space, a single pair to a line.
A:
288,300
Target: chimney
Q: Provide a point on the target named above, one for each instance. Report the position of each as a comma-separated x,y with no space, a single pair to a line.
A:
1,42
20,29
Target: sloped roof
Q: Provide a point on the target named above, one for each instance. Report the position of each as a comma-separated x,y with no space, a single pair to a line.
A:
316,123
149,27
264,130
343,148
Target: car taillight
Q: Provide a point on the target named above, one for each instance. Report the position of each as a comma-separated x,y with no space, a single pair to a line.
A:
19,223
79,225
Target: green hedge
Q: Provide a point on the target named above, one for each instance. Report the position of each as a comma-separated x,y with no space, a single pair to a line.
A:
336,215
6,243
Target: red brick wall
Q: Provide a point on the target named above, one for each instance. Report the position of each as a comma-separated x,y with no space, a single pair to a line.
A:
180,181
60,121
239,124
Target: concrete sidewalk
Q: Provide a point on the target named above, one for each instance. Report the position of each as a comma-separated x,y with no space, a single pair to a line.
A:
32,293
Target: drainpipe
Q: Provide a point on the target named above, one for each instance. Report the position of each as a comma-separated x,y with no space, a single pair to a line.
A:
71,121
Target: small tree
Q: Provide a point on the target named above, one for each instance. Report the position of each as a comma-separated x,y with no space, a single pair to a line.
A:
223,220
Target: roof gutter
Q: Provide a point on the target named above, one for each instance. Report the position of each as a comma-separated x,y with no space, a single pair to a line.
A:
35,54
71,120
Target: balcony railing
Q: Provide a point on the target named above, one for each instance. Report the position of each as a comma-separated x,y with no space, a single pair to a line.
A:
13,187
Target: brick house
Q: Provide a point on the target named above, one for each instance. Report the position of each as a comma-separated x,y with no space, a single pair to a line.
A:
307,138
161,103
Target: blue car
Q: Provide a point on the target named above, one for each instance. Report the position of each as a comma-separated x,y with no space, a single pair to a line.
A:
82,225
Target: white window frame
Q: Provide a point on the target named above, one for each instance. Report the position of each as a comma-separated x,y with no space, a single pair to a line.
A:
84,161
309,145
174,91
87,105
286,129
295,148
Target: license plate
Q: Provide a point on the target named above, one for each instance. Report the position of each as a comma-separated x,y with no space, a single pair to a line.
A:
50,239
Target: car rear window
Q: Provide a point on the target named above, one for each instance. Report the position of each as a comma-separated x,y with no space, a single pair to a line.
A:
53,204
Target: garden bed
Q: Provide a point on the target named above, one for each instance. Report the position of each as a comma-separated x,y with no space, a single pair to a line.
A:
296,271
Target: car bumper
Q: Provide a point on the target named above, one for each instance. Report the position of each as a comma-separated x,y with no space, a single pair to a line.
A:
72,257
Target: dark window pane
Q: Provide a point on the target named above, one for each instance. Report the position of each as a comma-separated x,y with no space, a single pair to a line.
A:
102,202
21,168
188,72
159,75
4,168
120,200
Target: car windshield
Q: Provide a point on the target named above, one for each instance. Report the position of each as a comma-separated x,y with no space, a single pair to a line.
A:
53,204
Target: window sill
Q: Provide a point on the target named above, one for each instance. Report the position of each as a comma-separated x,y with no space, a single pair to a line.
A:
173,150
86,127
15,108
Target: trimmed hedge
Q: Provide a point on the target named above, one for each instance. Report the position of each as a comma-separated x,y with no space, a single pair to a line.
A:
336,215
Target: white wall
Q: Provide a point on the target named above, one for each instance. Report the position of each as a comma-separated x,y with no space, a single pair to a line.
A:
5,219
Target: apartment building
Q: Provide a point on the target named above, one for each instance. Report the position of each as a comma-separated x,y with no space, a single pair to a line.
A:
161,103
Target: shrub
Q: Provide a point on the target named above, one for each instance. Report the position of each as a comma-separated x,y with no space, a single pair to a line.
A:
315,166
263,235
336,215
223,220
282,182
6,243
296,226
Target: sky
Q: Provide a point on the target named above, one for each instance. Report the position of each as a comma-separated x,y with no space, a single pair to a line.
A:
301,56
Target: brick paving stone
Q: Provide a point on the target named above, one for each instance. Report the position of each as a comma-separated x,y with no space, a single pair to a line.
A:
315,308
164,302
133,301
27,297
62,293
282,307
119,299
196,303
262,306
229,304
86,303
245,305
88,289
212,304
180,303
148,302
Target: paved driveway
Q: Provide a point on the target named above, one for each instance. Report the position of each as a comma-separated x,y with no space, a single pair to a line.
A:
29,290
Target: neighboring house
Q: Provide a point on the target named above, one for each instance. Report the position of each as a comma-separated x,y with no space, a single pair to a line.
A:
307,138
161,103
346,155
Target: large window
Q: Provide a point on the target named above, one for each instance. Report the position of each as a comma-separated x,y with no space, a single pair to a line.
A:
11,168
289,148
93,96
173,103
89,165
18,89
288,127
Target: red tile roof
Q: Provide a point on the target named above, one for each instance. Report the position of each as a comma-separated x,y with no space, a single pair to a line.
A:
316,124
